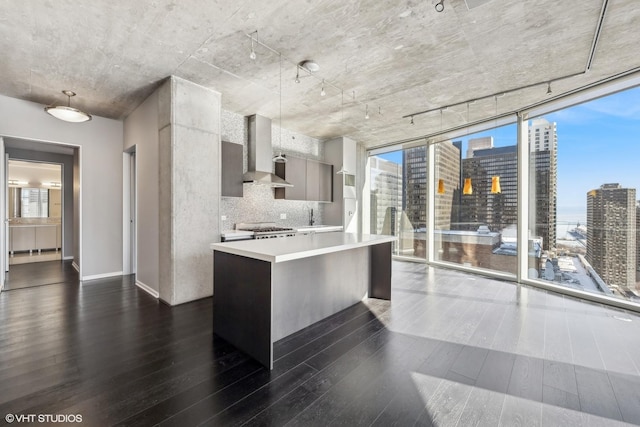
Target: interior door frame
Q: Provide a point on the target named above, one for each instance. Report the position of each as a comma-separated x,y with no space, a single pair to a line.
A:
4,260
129,212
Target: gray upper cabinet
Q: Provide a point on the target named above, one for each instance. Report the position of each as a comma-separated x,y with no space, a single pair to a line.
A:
312,180
326,182
294,172
231,169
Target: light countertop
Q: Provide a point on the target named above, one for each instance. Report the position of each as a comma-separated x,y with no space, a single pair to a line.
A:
318,228
283,249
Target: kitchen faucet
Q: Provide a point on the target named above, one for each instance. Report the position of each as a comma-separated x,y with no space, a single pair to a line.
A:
311,220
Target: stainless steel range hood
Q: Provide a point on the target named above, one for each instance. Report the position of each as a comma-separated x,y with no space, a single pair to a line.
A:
260,154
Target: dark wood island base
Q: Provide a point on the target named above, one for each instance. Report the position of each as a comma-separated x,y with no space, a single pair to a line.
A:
260,301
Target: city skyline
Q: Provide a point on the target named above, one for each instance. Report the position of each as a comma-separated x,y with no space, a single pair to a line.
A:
584,162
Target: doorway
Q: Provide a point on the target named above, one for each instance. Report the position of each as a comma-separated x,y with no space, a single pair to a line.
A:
47,205
35,211
129,212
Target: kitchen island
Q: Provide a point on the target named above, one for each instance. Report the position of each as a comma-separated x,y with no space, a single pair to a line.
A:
265,290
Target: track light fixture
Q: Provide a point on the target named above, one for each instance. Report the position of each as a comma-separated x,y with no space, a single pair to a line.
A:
440,6
308,66
412,120
498,94
252,55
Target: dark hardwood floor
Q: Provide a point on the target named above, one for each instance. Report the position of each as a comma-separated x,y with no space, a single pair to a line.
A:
39,274
449,349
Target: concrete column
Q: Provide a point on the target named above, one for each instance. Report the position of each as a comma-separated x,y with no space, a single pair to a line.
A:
189,178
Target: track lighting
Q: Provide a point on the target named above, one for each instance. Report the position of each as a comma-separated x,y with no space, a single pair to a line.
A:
440,6
322,92
549,92
252,55
411,119
366,112
297,74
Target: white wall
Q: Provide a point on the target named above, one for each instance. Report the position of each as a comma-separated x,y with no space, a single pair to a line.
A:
101,142
141,131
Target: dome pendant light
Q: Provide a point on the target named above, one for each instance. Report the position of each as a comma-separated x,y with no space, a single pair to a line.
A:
68,113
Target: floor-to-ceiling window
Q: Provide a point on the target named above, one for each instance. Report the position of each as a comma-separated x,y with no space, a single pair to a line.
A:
398,199
576,168
476,206
583,201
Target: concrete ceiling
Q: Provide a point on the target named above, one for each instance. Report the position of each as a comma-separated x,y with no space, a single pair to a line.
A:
397,57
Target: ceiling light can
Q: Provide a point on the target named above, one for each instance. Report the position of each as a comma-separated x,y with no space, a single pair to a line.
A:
310,65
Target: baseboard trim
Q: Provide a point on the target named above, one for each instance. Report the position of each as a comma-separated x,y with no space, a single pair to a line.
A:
75,266
148,289
102,276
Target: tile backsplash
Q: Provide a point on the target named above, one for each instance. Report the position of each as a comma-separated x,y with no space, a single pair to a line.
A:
258,203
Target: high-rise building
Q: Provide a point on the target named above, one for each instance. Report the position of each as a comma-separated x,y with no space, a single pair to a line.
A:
543,135
414,192
638,238
611,234
500,210
448,162
483,207
447,159
386,192
543,179
478,144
